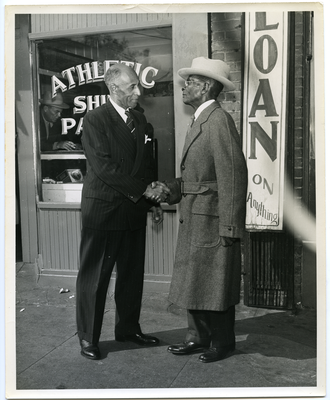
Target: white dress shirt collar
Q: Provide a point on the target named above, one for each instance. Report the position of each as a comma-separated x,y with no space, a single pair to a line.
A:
120,110
202,107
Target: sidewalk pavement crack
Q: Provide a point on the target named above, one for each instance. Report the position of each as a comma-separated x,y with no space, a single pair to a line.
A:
179,373
45,355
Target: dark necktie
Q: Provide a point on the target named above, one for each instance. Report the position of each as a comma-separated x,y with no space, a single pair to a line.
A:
130,123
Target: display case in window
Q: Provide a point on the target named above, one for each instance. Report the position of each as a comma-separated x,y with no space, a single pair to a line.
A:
62,176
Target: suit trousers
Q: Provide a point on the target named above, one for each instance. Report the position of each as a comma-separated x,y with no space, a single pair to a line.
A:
211,328
99,252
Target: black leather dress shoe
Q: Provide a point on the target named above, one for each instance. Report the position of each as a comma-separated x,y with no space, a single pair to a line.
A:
216,353
138,338
185,348
89,350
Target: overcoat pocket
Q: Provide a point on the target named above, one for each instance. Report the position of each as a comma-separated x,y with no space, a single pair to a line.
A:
204,230
205,221
206,204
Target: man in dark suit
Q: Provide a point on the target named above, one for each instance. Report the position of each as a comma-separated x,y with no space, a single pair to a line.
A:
117,194
212,195
50,124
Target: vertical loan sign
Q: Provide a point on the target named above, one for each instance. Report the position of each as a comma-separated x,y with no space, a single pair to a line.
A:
264,117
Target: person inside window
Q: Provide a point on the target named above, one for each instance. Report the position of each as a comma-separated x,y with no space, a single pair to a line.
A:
51,137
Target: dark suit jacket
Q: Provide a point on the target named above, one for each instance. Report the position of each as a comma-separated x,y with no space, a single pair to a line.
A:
55,131
118,171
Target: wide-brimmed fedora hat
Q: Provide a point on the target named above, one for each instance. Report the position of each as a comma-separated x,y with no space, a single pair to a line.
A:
215,69
56,101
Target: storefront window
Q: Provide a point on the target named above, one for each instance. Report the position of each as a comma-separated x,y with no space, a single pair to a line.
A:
73,67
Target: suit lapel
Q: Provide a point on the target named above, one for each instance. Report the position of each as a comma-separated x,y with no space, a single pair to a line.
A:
121,132
196,128
140,140
124,137
43,129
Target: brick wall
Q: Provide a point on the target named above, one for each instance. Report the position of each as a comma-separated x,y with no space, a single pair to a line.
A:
226,45
298,141
298,106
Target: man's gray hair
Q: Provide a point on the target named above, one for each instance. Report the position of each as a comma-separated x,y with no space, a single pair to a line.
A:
112,74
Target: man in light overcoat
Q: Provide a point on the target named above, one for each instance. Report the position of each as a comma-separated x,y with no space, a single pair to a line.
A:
212,195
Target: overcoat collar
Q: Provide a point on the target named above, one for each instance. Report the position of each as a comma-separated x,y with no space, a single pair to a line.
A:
196,128
124,137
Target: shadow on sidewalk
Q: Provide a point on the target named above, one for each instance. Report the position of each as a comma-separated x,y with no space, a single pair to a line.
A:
272,335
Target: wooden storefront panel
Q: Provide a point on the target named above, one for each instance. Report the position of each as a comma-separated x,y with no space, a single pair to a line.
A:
41,23
59,240
160,245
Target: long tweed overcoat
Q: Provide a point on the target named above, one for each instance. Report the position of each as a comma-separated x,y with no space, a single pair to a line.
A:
212,195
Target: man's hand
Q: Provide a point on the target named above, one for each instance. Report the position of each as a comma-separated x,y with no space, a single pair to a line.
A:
227,241
157,214
66,145
157,191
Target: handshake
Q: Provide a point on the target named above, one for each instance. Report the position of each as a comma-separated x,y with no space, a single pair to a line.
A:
157,192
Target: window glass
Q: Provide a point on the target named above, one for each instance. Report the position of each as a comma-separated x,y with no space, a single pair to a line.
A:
74,67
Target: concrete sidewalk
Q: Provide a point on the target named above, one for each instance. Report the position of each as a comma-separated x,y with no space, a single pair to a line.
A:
274,348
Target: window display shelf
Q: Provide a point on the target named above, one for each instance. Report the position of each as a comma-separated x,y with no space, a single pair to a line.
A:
57,205
62,156
62,192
